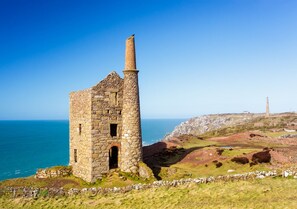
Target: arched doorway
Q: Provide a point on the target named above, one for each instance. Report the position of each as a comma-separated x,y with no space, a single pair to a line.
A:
113,157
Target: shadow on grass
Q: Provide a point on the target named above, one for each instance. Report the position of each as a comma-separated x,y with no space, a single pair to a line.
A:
159,155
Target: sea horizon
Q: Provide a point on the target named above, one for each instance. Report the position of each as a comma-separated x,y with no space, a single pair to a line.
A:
68,119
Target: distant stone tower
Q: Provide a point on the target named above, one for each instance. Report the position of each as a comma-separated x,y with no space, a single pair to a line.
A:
267,107
104,124
131,129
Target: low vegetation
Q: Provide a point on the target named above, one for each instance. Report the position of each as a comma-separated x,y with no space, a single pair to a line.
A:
238,152
264,193
114,179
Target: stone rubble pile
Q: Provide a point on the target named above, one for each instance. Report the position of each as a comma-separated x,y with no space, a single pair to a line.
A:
30,192
53,172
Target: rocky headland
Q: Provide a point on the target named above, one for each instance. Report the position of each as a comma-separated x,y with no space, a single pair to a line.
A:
202,124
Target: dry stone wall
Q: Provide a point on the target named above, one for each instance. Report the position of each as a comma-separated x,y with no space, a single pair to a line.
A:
31,192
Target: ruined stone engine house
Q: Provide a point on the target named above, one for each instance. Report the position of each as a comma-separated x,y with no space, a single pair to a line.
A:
105,128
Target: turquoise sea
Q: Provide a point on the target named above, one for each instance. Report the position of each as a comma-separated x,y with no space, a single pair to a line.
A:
28,145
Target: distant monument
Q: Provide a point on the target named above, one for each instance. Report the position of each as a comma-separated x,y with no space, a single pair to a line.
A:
267,108
105,128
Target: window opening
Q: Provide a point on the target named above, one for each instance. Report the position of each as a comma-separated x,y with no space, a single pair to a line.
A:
79,129
75,155
113,129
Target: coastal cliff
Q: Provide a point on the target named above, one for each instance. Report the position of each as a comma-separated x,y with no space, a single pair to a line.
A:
202,124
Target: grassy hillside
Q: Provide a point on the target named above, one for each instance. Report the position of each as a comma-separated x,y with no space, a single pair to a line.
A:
264,193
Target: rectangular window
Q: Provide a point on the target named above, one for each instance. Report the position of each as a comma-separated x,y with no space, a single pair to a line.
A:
79,129
75,155
113,129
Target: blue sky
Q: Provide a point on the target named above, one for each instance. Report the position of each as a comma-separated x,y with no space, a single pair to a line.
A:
194,56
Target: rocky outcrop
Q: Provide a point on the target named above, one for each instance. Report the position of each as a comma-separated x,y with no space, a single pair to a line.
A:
205,123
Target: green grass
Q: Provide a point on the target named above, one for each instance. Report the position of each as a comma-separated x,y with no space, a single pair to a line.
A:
66,182
265,193
113,180
238,152
183,170
276,134
196,142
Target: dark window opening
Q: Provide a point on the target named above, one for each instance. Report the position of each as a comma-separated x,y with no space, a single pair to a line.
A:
79,129
75,155
120,112
113,157
113,129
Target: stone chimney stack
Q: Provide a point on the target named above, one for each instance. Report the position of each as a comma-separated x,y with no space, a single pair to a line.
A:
131,144
130,59
267,107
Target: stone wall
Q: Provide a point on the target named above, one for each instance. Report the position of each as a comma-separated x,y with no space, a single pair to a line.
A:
80,140
107,102
30,192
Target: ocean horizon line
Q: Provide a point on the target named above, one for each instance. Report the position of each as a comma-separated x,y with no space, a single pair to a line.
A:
68,119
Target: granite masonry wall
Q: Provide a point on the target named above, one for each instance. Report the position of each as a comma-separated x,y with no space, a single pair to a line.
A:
92,112
107,105
80,134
